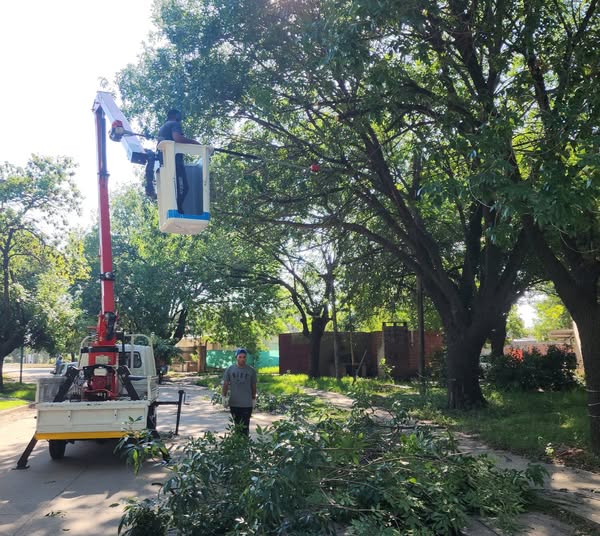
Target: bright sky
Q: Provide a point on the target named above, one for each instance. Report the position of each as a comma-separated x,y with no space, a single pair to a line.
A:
54,53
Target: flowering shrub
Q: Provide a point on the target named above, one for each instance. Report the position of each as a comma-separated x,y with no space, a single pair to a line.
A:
528,370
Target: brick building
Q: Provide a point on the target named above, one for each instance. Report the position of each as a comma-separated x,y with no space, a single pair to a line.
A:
395,342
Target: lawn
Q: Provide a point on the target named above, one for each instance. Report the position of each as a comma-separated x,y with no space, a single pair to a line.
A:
541,425
537,424
16,394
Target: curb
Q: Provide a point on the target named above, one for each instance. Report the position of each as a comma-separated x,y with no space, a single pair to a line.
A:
10,411
561,508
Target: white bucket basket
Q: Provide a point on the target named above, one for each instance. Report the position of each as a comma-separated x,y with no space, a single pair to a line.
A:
190,213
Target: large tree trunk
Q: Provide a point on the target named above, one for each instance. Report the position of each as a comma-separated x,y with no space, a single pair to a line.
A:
316,334
462,360
588,324
575,277
180,326
498,336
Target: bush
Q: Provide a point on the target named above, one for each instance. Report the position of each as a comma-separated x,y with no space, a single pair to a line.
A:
529,370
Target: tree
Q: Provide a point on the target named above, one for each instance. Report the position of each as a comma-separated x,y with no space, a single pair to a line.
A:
560,154
175,285
298,265
402,107
34,204
551,314
515,326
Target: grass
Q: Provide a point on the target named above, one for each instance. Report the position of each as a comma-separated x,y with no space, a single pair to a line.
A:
268,370
16,394
532,422
540,425
287,384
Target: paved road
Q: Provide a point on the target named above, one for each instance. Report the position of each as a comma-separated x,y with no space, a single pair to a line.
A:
29,374
85,492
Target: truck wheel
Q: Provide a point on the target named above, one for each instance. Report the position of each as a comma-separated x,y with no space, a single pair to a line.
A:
57,448
151,421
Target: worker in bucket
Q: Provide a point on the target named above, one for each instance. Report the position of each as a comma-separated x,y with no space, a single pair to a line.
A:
239,391
171,130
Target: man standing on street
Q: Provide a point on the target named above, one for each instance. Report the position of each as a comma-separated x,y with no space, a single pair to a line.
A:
239,382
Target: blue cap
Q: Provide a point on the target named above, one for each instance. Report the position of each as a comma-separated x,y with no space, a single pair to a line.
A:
241,351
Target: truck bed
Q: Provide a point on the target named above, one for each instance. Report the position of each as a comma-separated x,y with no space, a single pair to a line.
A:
90,420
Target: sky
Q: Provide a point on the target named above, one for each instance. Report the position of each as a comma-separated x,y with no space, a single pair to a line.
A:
54,53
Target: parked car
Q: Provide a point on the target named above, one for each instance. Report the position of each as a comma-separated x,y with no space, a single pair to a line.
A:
63,367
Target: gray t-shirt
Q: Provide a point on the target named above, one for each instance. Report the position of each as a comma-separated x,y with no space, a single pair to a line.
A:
166,131
241,380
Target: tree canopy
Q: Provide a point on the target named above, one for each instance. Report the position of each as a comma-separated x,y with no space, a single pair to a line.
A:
35,202
176,285
399,111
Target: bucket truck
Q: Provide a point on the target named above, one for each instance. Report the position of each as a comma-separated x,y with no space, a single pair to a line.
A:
114,388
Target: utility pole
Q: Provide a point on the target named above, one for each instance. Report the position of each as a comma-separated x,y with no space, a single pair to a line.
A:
21,367
421,328
336,351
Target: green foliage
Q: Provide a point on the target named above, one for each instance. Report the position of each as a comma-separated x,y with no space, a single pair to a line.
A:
518,421
308,477
515,326
143,518
164,350
551,314
386,370
35,202
172,285
419,161
528,370
139,446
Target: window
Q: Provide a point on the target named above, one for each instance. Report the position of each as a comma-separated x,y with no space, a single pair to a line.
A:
125,359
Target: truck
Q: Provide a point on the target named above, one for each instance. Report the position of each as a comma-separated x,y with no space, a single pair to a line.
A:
79,406
113,390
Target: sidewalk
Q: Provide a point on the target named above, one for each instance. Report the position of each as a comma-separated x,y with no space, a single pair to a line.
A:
574,491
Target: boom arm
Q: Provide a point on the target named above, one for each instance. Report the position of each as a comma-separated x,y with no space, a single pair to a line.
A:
105,106
135,152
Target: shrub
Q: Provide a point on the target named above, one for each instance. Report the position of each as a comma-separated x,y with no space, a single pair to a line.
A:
529,370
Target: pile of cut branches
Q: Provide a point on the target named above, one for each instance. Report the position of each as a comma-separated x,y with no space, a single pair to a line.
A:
305,476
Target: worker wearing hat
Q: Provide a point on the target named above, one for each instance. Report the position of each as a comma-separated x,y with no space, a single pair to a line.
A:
239,391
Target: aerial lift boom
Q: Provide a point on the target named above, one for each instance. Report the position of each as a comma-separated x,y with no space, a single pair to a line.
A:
95,400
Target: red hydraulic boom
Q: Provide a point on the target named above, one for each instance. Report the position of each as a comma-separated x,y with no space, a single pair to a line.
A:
103,352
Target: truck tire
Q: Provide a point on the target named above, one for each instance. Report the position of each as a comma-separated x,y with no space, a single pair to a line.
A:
57,448
151,421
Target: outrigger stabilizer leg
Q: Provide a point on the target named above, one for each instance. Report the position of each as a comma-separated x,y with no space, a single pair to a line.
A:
22,463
